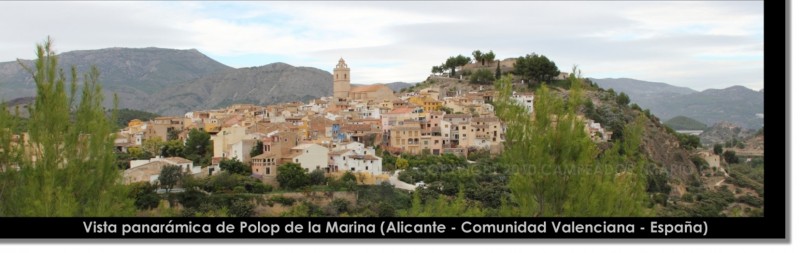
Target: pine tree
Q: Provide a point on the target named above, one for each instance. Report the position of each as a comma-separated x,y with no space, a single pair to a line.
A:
65,164
554,163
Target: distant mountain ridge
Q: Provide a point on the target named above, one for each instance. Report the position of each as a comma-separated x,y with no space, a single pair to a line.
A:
133,73
173,82
397,86
685,123
268,84
736,104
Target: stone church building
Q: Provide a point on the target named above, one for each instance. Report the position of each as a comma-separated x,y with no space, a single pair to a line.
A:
342,90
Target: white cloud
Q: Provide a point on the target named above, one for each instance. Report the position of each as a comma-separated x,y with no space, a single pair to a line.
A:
694,44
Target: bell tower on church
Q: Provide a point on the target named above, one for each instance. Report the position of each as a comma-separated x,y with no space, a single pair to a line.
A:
341,80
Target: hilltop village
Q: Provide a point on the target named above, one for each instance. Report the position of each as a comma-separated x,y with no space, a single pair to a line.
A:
347,132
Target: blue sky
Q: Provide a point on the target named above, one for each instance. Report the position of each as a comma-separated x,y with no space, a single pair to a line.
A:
699,45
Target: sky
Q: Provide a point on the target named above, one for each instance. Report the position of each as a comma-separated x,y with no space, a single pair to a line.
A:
700,45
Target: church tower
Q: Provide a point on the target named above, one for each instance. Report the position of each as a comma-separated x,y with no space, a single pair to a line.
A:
341,80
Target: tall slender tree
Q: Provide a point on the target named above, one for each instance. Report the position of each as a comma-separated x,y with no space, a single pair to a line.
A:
65,164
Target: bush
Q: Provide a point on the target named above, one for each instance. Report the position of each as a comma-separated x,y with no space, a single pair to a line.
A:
730,157
481,76
144,196
242,208
235,167
260,188
338,206
283,200
750,200
317,177
292,176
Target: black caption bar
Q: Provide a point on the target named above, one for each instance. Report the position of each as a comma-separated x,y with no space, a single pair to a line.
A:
422,228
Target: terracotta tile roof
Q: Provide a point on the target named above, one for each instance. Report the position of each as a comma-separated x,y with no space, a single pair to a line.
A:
401,110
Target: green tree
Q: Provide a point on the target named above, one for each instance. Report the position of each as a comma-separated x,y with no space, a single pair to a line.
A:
401,163
292,176
478,56
172,148
443,206
453,62
497,73
234,166
316,177
258,149
144,195
488,57
125,115
172,134
198,147
623,99
437,69
242,208
536,68
481,76
717,149
556,170
170,176
68,166
730,156
688,141
153,145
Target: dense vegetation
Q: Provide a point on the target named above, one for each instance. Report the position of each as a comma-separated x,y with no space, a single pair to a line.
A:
534,69
125,115
68,166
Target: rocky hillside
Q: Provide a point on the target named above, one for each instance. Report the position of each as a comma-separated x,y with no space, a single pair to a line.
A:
273,83
670,164
735,104
133,73
723,132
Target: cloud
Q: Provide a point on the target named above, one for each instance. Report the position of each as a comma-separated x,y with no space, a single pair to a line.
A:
694,44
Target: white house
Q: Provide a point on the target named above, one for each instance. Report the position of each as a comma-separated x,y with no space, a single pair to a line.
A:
149,170
241,150
525,99
310,156
354,157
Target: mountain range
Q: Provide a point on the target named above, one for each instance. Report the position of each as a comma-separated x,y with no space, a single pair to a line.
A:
173,82
736,104
268,84
133,74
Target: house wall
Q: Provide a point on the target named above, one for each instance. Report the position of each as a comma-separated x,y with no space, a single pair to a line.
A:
313,157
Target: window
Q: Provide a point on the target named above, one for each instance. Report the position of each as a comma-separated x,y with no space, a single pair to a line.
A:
267,172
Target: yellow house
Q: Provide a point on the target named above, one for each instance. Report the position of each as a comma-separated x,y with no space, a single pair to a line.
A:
134,123
427,103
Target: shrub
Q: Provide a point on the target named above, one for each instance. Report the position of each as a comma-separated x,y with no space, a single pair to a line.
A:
317,177
283,200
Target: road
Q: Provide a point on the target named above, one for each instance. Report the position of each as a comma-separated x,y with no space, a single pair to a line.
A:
400,184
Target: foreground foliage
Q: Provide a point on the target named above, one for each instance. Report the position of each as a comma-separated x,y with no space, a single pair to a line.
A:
66,165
